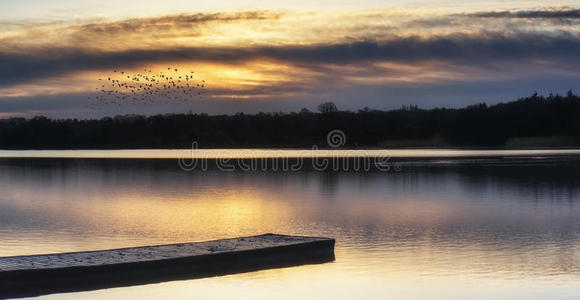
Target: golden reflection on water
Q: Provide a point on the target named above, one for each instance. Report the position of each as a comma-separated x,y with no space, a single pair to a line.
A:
453,233
277,153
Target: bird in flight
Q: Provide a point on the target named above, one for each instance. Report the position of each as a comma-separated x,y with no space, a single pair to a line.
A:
147,87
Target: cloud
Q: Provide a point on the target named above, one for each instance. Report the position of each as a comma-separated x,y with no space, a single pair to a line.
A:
479,50
265,55
113,35
173,24
555,13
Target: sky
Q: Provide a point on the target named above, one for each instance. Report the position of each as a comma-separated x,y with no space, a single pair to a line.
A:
285,55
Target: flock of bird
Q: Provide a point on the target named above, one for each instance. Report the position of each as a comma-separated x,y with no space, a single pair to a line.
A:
149,87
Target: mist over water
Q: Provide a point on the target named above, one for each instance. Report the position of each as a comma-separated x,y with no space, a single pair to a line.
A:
447,231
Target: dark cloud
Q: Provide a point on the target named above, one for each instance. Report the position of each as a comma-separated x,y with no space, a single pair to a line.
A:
556,16
559,13
468,50
185,21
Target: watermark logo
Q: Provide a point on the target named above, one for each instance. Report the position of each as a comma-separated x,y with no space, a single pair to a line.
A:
331,158
336,138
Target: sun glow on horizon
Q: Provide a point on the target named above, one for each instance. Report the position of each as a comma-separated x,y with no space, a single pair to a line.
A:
278,53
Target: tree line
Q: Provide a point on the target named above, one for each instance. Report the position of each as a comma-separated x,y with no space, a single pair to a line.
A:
534,121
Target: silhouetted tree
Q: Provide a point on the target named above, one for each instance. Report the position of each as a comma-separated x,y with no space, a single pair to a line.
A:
475,125
327,107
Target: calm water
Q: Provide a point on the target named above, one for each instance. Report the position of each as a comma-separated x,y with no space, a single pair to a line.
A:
503,229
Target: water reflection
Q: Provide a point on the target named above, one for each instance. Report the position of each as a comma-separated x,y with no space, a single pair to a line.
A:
451,230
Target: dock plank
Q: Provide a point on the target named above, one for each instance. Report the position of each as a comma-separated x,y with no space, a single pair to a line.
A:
23,276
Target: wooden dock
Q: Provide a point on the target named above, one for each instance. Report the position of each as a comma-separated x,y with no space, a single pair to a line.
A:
25,276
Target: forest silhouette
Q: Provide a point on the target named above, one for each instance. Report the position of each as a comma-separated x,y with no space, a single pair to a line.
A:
534,121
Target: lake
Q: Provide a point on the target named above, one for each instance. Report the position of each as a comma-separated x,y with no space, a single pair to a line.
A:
438,224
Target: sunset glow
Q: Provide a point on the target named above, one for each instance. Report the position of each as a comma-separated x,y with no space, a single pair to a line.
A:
291,57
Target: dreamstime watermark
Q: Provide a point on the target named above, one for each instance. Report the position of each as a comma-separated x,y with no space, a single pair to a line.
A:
336,138
330,159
